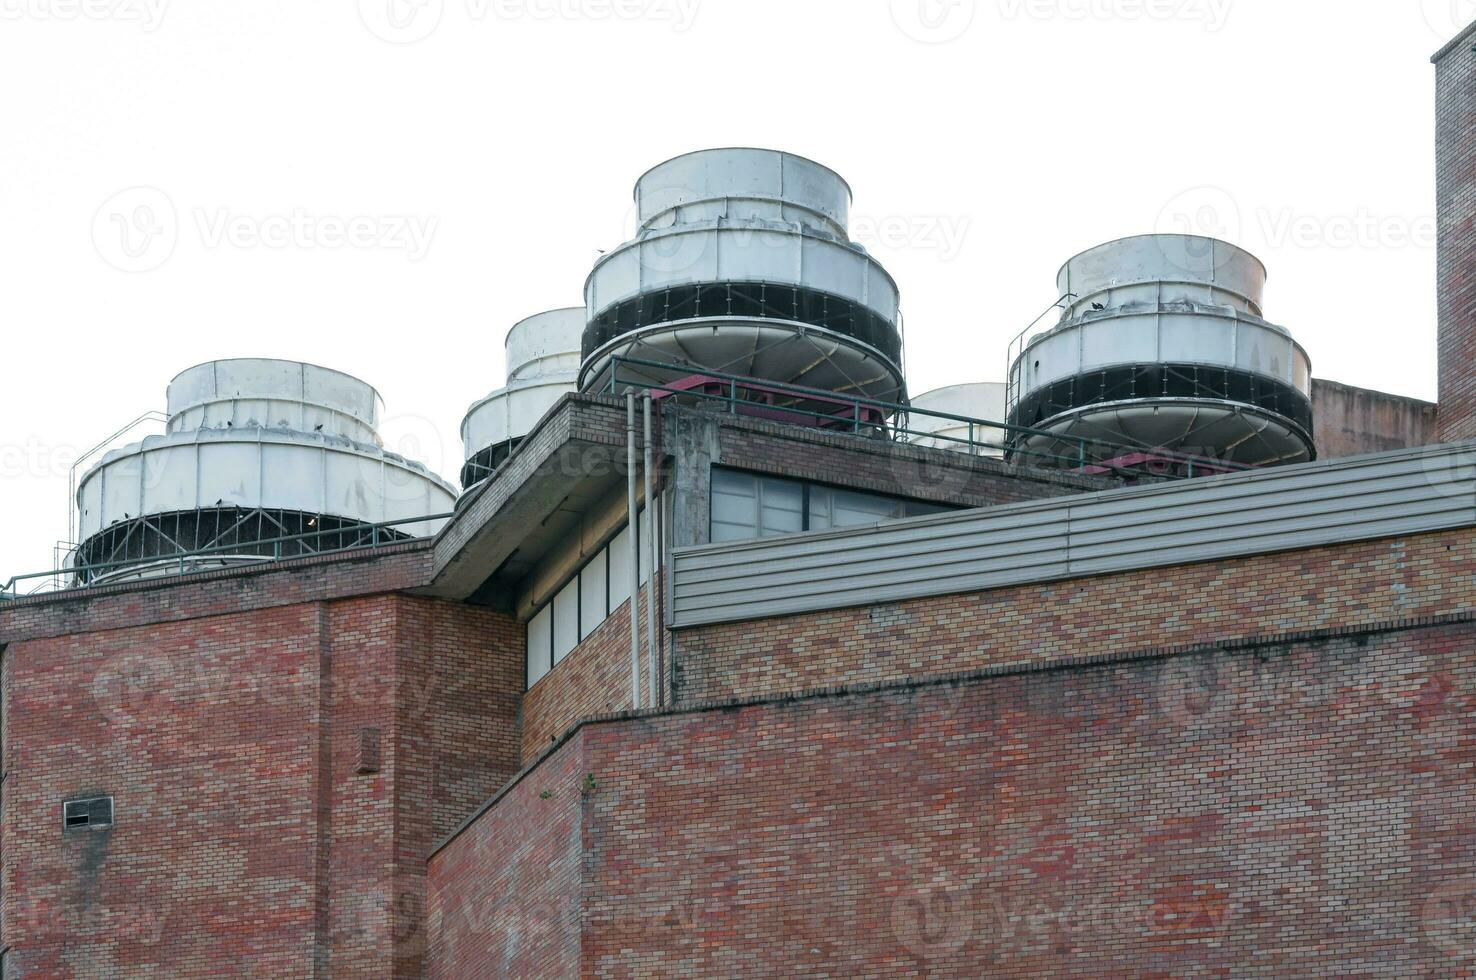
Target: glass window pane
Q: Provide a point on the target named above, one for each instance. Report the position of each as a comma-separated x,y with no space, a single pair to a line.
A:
782,507
852,509
734,506
643,525
919,508
592,611
620,569
540,645
566,620
820,509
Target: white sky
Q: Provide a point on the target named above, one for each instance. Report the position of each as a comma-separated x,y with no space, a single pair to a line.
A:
987,140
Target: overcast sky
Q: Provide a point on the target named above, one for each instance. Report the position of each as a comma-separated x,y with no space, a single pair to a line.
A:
385,186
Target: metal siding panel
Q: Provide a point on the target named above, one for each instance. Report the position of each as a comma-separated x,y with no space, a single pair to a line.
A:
1317,504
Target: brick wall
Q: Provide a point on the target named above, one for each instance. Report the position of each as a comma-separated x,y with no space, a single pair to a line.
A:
593,680
861,463
505,896
237,747
1292,808
218,592
206,734
1315,589
1455,133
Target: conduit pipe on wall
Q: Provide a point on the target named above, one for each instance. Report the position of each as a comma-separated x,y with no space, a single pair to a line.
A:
653,690
635,551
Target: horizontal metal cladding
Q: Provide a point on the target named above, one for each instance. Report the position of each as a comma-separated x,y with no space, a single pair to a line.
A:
1296,507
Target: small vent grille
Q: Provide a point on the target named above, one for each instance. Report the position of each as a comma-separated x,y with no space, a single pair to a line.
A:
85,814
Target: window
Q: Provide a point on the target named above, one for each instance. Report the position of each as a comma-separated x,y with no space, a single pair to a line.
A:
566,620
620,569
594,594
602,586
540,645
747,506
92,814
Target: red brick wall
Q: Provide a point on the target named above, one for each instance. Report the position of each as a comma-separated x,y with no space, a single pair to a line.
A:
1455,182
1288,809
232,743
593,680
206,735
505,895
1266,594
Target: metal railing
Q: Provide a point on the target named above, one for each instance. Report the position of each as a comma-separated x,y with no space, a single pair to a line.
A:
866,416
366,536
861,417
1016,347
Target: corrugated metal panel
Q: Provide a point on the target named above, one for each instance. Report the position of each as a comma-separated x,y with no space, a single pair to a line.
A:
1406,492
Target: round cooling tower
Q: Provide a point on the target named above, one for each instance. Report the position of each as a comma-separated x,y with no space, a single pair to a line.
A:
743,265
957,407
1162,347
542,366
254,450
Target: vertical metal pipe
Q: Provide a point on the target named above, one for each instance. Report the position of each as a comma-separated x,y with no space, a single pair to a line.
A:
653,690
635,551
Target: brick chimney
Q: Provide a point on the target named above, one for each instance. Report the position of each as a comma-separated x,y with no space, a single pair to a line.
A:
1455,139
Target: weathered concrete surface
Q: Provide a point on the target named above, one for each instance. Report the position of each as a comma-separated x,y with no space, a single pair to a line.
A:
1355,421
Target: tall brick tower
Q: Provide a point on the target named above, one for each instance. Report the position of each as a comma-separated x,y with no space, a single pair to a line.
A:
1455,138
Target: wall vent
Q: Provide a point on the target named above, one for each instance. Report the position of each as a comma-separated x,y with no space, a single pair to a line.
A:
90,814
